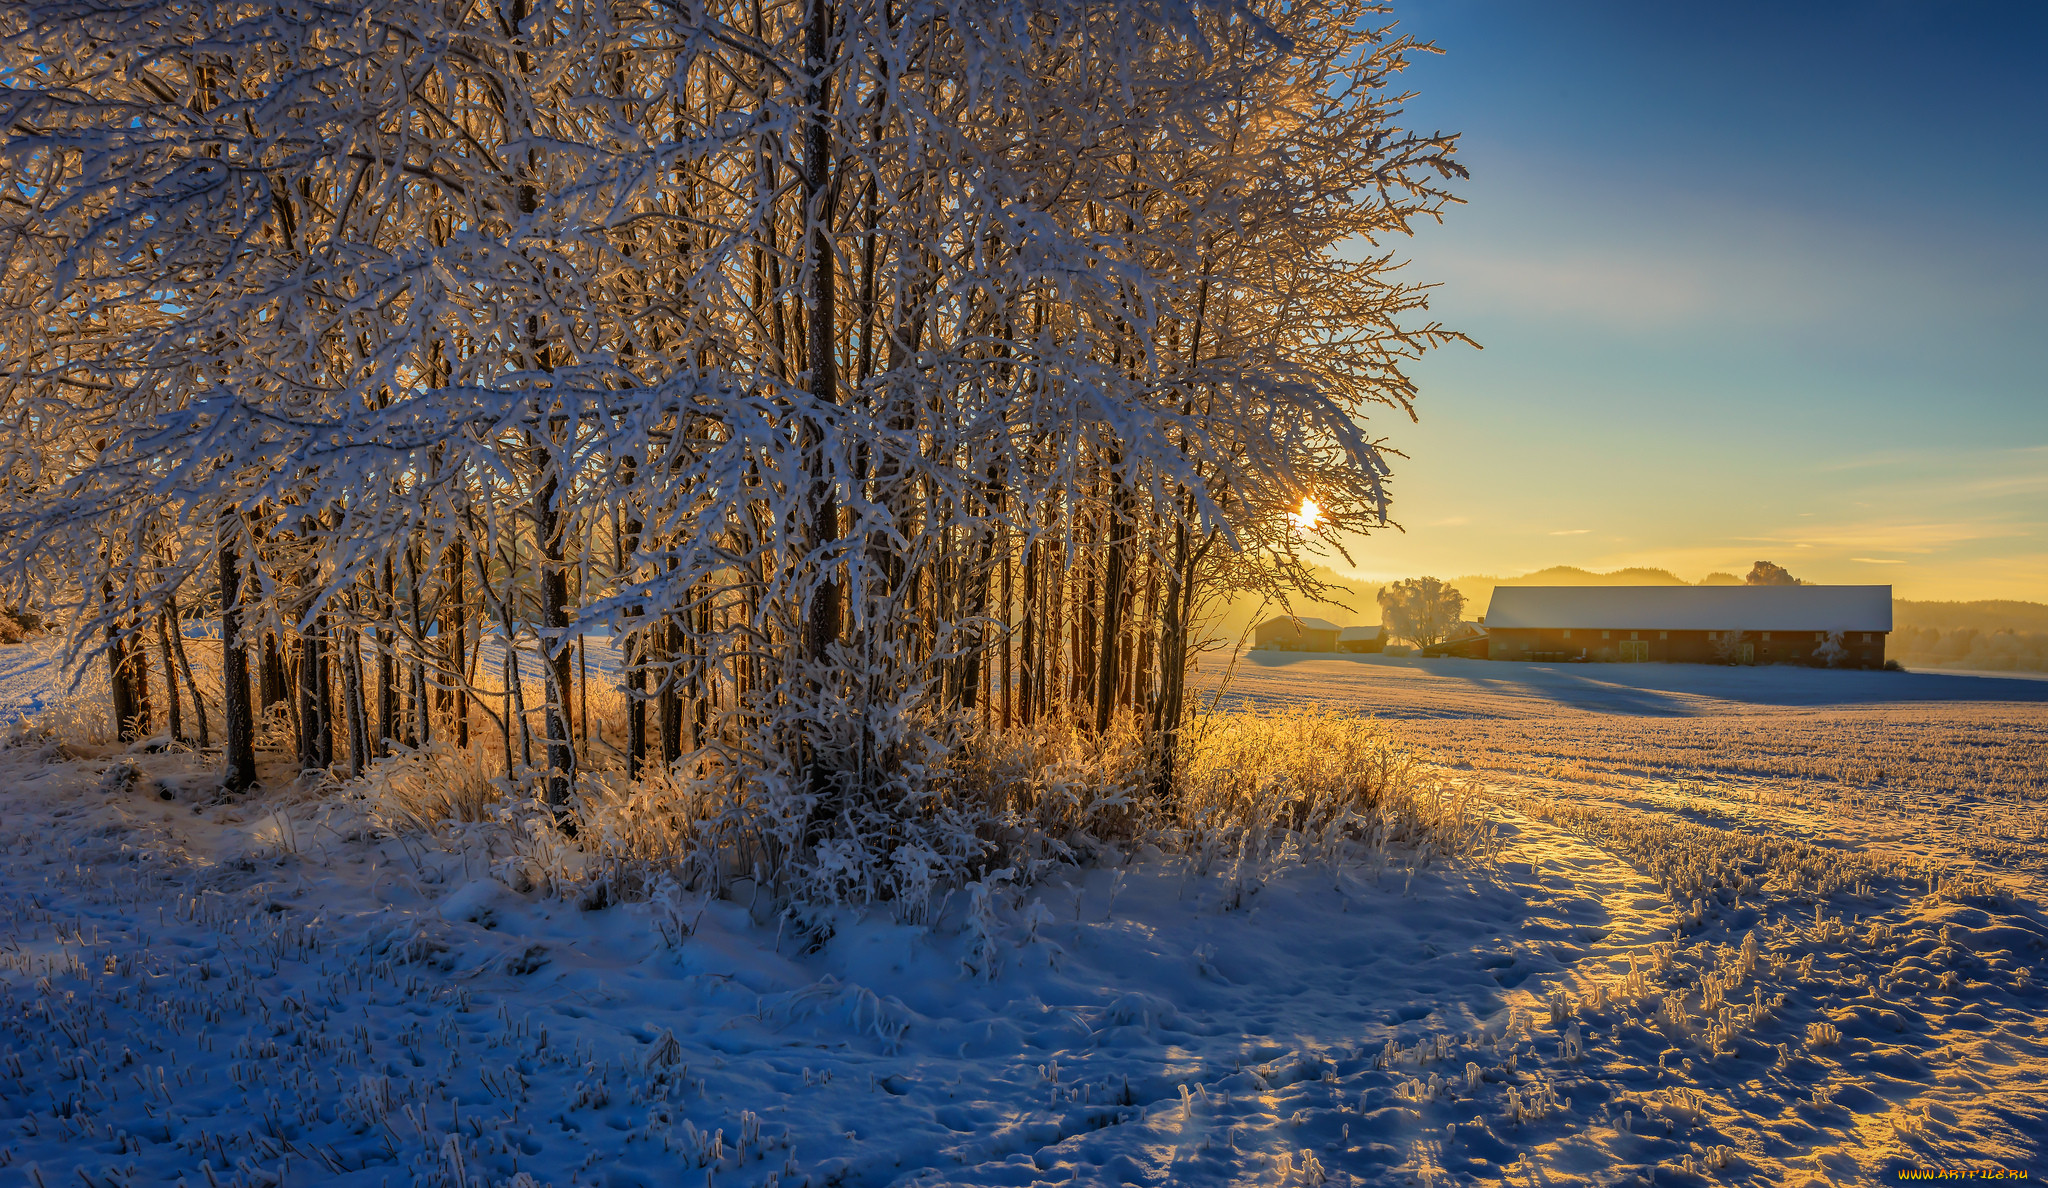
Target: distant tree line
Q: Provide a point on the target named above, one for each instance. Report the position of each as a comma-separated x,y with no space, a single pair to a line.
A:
1967,647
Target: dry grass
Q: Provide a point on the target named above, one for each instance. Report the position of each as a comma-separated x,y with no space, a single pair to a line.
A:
416,791
1257,791
1316,780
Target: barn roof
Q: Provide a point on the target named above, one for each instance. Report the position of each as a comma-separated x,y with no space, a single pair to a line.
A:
1307,623
1372,632
1694,608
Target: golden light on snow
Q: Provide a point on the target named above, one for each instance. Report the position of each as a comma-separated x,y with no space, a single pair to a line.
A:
1306,518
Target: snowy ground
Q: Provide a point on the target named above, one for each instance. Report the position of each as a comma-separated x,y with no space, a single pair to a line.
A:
1769,926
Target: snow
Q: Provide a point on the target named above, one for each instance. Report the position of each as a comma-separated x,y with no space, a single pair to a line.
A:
30,673
1752,960
1410,687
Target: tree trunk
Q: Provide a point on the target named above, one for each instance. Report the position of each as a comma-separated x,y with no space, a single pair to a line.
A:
1173,661
671,695
316,694
1054,645
326,691
118,688
171,699
387,660
1009,621
272,678
419,724
636,653
515,693
177,635
239,750
289,668
1112,636
554,613
352,699
1027,672
700,713
309,704
455,632
822,622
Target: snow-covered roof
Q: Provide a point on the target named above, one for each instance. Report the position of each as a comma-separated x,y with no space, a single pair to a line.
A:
1694,608
1307,623
1372,632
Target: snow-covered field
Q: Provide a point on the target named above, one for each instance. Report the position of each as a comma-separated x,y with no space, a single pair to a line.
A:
1759,926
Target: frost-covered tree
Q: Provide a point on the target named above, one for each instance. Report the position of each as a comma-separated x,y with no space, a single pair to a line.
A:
877,370
1423,609
1729,646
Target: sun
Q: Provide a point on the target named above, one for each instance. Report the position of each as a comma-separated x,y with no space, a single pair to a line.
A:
1306,519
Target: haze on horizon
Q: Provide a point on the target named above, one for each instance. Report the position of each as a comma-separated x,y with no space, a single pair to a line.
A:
1765,283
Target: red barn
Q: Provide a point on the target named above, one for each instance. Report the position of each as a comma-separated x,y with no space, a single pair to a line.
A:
1832,625
1297,633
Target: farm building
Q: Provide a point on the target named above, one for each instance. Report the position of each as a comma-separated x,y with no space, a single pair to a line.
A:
1290,634
1843,625
1360,639
1471,646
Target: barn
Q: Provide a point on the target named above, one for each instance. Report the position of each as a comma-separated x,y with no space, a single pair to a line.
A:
1839,625
1360,639
1290,634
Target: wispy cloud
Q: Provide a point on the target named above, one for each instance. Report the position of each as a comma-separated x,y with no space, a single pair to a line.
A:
1880,535
1593,283
1571,532
1878,560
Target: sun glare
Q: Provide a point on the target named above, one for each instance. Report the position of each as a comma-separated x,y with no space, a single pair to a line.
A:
1306,518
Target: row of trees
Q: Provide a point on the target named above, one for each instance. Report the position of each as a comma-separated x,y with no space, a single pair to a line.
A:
1968,647
871,367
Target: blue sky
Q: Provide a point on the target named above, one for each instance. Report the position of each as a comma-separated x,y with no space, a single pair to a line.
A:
1754,281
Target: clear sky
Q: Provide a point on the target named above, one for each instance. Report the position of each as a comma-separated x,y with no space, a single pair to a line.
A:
1754,280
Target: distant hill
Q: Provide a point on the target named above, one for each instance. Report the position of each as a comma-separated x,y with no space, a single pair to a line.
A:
1478,588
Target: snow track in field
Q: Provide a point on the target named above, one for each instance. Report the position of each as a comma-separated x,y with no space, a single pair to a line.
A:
1712,948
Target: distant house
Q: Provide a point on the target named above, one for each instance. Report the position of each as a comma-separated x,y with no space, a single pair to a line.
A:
1360,639
1290,634
1471,647
1845,625
1468,639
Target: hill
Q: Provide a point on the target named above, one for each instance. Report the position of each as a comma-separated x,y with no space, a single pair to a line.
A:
1478,588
